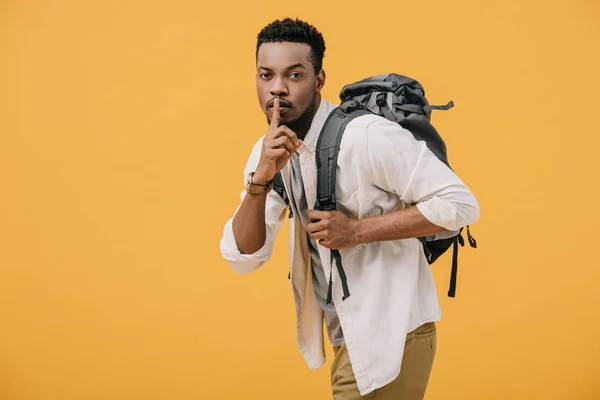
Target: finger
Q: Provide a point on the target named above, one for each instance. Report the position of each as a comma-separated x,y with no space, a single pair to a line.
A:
325,243
284,141
321,235
279,152
284,130
315,226
316,214
275,115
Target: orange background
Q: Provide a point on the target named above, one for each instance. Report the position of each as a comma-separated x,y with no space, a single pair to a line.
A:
124,129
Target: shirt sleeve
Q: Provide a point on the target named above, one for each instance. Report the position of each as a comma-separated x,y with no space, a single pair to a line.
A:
275,209
406,167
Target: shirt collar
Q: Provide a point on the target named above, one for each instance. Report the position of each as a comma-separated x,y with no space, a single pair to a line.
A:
312,136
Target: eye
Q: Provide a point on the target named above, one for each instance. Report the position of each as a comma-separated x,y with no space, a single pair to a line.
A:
296,75
265,75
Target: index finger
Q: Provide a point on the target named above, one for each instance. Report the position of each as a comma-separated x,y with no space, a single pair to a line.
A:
275,116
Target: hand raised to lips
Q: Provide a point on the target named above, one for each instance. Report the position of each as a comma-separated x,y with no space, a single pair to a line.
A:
279,144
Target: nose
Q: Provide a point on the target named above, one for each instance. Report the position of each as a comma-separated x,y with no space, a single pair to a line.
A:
278,87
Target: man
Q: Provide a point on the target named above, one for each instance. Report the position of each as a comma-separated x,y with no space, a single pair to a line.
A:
390,190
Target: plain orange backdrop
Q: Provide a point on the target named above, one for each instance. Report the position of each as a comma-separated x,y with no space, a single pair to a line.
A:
124,129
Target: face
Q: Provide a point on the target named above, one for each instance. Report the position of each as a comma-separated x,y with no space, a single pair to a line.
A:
284,70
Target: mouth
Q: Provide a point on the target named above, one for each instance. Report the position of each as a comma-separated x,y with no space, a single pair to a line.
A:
282,110
283,105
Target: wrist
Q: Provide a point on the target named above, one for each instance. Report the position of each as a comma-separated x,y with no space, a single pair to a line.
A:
358,231
255,188
258,178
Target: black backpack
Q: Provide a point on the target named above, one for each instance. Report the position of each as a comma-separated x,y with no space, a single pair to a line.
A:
399,99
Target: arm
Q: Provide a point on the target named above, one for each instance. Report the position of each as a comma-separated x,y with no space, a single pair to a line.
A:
249,228
337,231
278,145
401,224
249,236
240,258
406,167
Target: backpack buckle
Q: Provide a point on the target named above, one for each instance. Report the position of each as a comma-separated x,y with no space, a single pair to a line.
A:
349,106
326,203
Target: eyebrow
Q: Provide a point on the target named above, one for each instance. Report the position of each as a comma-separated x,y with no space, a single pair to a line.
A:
287,69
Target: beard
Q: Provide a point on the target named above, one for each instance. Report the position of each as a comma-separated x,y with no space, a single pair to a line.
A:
303,121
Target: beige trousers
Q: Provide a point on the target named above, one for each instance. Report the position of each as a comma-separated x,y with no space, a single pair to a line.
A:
419,352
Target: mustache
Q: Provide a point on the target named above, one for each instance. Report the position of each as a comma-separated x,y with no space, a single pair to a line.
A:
282,103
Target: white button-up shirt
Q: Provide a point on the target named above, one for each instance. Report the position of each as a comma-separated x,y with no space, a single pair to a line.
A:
381,168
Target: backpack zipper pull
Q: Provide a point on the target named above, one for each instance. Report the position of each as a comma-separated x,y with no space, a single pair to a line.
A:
472,240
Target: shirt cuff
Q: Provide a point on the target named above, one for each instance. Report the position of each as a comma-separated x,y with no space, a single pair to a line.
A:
243,263
441,213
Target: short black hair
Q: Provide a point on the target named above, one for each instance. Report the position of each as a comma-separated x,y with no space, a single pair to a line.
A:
297,31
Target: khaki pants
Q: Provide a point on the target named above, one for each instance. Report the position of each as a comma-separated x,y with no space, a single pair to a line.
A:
419,352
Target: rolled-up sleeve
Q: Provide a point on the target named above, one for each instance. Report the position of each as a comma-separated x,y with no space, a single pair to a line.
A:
407,167
275,209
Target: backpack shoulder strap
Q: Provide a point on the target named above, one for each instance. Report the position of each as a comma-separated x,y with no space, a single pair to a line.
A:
328,148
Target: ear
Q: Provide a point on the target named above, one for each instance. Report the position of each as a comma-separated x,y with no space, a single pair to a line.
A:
320,80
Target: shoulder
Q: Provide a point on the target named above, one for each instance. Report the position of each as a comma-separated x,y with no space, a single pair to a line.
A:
380,132
327,107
